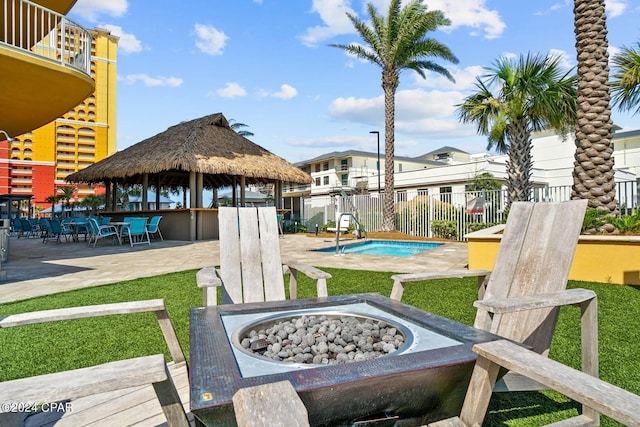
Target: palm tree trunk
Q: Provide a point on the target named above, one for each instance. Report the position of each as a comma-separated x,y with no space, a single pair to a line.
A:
593,166
519,162
388,223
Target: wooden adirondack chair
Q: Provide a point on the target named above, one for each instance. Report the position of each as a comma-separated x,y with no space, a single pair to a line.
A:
251,268
520,298
141,391
596,396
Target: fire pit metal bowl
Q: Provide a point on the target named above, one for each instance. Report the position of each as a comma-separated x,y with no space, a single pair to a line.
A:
424,380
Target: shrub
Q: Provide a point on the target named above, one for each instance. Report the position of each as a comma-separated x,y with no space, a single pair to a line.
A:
444,229
475,226
627,223
593,220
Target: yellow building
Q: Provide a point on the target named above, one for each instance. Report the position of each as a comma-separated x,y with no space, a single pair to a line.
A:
77,139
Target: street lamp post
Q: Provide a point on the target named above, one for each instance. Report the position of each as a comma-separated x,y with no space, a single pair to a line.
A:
378,135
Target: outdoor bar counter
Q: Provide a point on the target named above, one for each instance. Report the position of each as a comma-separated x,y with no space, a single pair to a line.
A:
179,224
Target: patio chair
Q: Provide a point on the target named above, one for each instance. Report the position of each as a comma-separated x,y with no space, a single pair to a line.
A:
154,226
521,297
27,230
251,268
140,391
596,396
136,231
102,231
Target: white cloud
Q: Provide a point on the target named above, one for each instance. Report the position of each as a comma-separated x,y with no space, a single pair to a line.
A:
128,43
615,7
566,61
151,81
231,90
471,13
210,40
91,9
462,13
333,14
286,92
418,112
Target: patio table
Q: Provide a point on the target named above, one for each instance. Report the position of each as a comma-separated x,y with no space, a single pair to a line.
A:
423,381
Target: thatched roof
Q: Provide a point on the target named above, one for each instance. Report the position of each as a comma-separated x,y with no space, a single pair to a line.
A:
206,145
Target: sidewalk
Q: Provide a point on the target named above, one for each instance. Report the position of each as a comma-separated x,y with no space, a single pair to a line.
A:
36,269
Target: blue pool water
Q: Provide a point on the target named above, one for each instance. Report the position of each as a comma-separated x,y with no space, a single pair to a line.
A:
383,247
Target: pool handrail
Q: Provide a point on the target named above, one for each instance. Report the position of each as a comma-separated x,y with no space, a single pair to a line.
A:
360,229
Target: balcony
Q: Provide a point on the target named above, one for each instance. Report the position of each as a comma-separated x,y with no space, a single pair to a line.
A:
45,63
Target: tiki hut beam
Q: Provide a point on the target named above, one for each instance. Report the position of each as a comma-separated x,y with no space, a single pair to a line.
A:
145,188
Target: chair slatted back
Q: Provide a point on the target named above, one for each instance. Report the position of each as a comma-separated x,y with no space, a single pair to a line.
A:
534,257
250,262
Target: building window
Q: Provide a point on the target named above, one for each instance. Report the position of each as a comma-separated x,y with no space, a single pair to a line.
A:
445,194
317,167
343,165
399,167
344,179
318,181
325,166
325,180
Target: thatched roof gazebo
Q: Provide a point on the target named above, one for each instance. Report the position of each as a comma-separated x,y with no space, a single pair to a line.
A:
203,153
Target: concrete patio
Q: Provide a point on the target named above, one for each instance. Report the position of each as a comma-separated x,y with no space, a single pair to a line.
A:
36,269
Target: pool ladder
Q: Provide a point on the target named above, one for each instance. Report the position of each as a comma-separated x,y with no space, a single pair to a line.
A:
360,229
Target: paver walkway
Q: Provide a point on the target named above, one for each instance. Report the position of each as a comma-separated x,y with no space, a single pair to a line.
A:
36,269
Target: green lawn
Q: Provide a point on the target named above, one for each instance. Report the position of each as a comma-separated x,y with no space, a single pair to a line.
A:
38,349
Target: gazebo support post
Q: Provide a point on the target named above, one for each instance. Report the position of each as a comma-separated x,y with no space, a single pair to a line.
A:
114,196
192,204
277,194
234,192
158,189
107,195
199,189
243,199
145,188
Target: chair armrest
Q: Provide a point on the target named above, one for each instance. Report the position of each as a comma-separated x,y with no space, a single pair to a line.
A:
320,276
532,302
208,278
596,394
157,306
308,270
400,279
82,382
276,404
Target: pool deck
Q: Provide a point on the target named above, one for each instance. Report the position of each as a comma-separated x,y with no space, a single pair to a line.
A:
35,269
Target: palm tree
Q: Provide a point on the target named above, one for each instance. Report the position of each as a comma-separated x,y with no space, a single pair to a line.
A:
66,194
531,94
395,44
237,127
593,166
625,85
93,202
53,199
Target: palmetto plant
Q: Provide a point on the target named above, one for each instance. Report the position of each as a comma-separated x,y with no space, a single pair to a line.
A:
514,99
395,43
66,194
239,128
625,84
593,166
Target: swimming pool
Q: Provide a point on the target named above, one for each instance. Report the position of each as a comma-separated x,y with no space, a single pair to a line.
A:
383,247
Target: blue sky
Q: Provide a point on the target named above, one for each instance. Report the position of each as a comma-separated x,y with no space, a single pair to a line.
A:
267,63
